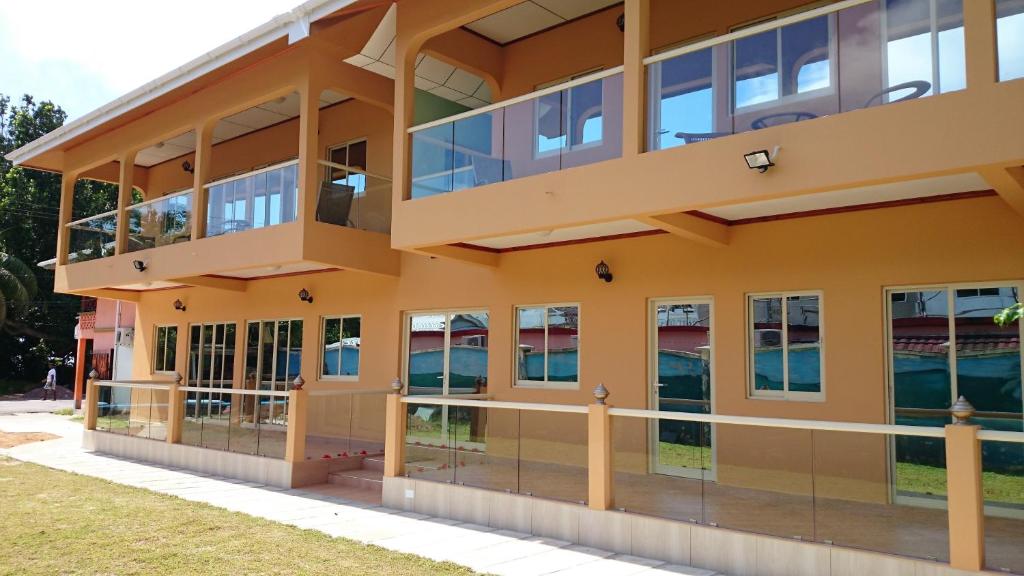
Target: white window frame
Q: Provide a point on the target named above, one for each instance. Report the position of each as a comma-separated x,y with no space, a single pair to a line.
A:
785,393
323,351
157,353
780,99
346,145
448,313
545,384
933,32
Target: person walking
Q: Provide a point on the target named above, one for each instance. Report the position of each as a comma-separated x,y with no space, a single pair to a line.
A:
50,384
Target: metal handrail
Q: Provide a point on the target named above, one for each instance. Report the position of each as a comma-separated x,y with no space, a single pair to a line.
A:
242,391
754,30
160,199
524,98
145,385
452,401
79,221
352,392
270,168
351,169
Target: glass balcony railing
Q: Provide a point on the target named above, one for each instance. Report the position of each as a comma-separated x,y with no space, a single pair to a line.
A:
572,124
159,222
92,238
352,197
258,199
825,61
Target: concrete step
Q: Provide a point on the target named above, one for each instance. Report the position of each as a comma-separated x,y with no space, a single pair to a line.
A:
374,463
365,479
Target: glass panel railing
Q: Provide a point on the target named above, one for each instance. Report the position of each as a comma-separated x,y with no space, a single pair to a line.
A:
1003,485
137,410
553,455
576,124
354,198
92,238
427,449
1010,38
485,446
816,64
233,421
167,220
259,199
345,424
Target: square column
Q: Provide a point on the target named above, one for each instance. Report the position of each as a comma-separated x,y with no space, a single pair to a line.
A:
965,498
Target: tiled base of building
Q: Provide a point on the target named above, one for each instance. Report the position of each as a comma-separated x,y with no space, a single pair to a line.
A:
727,551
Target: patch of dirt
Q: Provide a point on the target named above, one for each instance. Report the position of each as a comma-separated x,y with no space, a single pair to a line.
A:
37,394
12,439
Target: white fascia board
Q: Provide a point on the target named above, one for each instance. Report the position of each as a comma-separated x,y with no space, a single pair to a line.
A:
293,24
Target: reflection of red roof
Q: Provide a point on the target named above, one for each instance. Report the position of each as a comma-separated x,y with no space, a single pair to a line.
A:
968,344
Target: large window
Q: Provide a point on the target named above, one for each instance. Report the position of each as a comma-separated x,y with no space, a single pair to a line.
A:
353,155
925,42
547,346
166,349
273,359
340,338
786,346
784,62
1010,38
211,364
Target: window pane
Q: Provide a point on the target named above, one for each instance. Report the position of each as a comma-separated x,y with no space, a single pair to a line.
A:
766,343
252,351
805,56
909,46
350,342
207,354
563,344
357,155
550,122
988,369
229,354
161,346
267,356
426,353
294,350
432,161
804,343
952,60
684,93
920,354
532,349
585,122
194,352
171,355
467,360
332,347
756,69
1010,38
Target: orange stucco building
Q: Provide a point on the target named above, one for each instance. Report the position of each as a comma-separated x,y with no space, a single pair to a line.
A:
775,232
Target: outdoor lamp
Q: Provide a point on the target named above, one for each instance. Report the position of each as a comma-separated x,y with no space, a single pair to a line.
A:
187,167
139,265
759,160
603,272
179,305
304,296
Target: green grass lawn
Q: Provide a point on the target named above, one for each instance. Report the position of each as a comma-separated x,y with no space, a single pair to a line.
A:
932,480
60,523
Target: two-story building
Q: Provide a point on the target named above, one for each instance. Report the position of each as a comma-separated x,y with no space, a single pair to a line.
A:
775,232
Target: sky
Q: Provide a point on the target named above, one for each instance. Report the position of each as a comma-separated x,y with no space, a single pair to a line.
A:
82,54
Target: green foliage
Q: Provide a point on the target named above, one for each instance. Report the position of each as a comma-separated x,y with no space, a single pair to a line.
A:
1010,315
39,325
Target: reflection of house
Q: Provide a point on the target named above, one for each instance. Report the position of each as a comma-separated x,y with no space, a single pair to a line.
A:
105,335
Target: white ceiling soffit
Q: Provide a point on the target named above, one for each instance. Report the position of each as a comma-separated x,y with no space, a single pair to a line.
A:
924,188
565,234
244,122
534,16
432,75
280,26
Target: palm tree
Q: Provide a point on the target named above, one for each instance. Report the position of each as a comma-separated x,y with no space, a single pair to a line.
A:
17,288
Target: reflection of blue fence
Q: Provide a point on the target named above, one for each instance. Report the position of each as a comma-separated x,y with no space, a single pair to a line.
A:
349,361
991,382
467,363
563,366
804,370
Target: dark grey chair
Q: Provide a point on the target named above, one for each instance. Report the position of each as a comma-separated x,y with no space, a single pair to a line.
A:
919,87
487,170
335,203
693,137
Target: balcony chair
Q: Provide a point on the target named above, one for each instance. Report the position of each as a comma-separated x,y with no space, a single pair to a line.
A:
694,137
487,170
919,87
335,203
781,118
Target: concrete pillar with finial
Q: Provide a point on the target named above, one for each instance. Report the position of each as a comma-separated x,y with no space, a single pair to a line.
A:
91,401
394,433
599,451
965,501
295,437
175,410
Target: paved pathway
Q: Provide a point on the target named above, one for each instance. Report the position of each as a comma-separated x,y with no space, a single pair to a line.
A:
479,547
32,406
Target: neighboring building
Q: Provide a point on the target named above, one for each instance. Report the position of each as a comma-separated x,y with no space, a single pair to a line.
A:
505,203
105,335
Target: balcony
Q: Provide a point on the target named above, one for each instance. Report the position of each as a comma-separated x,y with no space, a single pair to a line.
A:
851,94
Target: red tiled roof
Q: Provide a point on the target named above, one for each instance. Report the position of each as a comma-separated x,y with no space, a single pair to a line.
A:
969,344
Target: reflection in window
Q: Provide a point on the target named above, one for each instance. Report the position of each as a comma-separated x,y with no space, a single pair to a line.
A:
341,340
210,365
785,345
683,95
547,344
783,62
913,28
166,349
570,118
353,155
1010,38
273,361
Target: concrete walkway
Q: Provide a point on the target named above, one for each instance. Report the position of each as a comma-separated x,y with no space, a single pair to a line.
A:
478,547
33,406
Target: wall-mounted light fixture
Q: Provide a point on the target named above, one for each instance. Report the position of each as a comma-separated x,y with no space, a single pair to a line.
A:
305,296
603,272
179,305
761,160
620,22
139,265
188,167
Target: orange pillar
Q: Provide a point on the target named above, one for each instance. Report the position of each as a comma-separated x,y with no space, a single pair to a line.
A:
394,435
79,372
966,502
599,453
